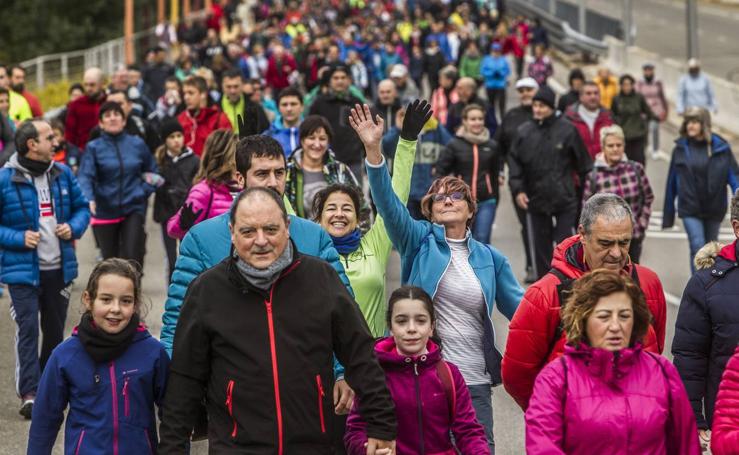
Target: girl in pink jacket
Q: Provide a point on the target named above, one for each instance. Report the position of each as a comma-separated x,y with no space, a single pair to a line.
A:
607,395
215,185
430,395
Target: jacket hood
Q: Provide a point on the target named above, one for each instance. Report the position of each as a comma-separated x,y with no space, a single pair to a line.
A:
14,164
569,258
600,161
718,144
608,365
706,256
388,356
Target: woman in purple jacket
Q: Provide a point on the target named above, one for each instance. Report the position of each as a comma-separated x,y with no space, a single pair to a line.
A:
607,395
215,185
430,395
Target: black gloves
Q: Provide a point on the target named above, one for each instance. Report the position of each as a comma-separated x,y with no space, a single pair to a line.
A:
416,115
188,217
250,125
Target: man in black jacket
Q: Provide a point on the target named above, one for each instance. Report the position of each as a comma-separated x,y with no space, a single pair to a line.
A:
265,368
546,156
335,106
505,136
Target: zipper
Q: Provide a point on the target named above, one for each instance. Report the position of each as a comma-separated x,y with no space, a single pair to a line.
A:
79,442
229,405
148,441
490,185
273,355
114,392
419,406
321,394
126,406
475,166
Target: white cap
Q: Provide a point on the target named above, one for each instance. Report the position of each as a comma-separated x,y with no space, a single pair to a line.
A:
399,70
694,63
527,82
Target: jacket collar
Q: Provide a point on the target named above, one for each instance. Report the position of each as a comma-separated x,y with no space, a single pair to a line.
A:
237,279
718,144
729,255
569,258
608,365
389,357
19,175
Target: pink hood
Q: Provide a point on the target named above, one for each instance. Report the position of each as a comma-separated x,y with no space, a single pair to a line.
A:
402,373
629,402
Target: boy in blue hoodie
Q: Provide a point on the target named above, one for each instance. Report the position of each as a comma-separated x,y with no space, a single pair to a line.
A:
285,127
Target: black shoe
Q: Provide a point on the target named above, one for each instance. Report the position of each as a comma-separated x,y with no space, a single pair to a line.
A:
530,277
26,408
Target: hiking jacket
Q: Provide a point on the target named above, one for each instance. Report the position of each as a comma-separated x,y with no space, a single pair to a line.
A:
477,164
232,112
707,327
111,174
628,402
198,128
178,174
626,179
531,337
495,71
270,392
725,434
632,113
289,138
82,117
19,212
212,198
426,411
591,140
705,202
546,158
111,405
336,109
507,133
209,242
425,256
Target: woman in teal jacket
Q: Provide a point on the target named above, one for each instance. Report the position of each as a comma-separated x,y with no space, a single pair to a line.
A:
462,275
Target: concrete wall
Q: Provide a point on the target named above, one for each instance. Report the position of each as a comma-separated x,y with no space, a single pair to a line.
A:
622,59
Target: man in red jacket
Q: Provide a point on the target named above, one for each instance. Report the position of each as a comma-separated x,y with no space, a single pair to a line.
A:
82,113
279,67
198,119
589,117
18,84
535,336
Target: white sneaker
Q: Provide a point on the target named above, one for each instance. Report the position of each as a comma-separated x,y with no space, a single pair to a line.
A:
27,408
660,155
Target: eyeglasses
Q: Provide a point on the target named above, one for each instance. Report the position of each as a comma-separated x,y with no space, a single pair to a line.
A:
455,196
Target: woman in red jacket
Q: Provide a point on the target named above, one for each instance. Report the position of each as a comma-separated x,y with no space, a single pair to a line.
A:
725,435
430,395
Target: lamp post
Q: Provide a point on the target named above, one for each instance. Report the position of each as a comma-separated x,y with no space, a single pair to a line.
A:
128,32
691,18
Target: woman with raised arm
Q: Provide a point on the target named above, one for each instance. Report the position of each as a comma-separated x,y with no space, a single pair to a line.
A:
463,276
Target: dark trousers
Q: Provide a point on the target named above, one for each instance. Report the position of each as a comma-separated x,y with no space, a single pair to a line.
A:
338,433
635,149
126,240
50,299
170,247
521,215
635,250
519,67
545,231
497,95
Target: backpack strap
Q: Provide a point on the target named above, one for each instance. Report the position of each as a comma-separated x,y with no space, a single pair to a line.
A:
210,203
447,381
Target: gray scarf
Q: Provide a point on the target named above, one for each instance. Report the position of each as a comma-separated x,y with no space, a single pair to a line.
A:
265,278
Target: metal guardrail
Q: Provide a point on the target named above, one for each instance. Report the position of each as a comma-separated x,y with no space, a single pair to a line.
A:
556,18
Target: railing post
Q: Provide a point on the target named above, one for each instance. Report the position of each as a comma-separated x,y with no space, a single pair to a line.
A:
65,67
553,7
39,72
111,58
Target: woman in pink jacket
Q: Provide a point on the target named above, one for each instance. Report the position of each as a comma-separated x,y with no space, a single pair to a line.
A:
607,395
430,395
215,185
725,430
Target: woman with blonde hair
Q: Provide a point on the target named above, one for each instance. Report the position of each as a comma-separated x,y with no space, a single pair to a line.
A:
614,173
606,394
215,185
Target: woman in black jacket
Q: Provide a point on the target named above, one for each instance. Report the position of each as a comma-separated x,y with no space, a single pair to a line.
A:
178,165
473,156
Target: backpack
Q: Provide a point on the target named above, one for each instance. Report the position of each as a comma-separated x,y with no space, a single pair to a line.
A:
563,290
447,382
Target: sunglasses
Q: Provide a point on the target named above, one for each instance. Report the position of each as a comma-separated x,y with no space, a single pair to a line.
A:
455,196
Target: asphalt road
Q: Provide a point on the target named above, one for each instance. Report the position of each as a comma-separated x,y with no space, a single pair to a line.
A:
661,28
664,252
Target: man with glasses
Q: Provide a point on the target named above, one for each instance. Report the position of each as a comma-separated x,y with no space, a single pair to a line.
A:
82,113
505,136
42,212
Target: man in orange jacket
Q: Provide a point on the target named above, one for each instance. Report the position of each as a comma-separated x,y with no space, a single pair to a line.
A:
535,335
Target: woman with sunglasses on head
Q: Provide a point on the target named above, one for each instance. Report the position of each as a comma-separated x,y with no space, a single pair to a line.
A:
463,276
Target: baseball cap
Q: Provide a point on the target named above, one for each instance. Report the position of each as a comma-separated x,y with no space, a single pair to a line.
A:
527,82
399,70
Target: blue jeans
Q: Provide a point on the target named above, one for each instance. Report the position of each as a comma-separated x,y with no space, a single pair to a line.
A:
482,401
482,226
699,232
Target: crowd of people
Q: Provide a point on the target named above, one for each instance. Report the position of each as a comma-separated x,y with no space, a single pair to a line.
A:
290,147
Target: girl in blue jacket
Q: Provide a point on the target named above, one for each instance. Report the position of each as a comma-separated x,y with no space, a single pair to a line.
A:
110,373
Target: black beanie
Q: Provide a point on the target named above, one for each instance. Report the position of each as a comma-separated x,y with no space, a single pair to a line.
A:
110,106
545,95
169,126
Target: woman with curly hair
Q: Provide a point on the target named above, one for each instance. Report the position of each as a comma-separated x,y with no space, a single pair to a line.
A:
607,395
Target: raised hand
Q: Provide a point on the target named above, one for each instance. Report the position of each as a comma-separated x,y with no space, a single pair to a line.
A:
249,124
416,115
369,131
188,217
